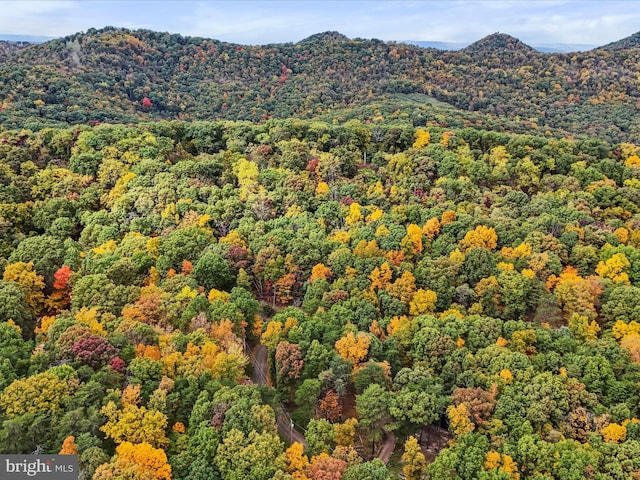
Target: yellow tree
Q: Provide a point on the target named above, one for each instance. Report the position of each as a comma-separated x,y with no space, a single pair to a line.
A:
33,284
297,461
614,269
247,173
448,216
614,433
631,343
459,420
134,424
136,462
41,393
415,464
576,294
412,242
583,328
320,272
380,277
345,432
404,287
422,138
353,348
355,214
503,463
480,237
423,301
431,228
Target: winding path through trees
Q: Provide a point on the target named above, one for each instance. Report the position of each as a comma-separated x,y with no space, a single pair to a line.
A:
260,376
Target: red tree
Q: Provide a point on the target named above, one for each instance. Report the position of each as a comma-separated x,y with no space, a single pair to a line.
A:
94,351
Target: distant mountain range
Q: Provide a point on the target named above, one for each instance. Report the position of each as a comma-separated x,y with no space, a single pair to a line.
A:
25,38
106,75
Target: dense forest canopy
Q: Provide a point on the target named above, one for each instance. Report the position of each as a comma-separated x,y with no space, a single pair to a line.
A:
335,259
105,75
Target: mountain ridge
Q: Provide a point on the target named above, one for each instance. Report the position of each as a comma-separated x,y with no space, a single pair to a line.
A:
633,39
104,75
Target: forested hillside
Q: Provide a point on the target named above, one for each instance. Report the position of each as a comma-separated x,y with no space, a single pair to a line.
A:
479,281
118,75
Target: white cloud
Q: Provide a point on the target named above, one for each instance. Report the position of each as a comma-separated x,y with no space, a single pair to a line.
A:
534,22
34,17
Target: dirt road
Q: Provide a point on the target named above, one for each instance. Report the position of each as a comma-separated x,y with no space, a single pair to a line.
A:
260,376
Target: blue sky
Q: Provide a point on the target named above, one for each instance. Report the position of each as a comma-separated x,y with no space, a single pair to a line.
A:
256,22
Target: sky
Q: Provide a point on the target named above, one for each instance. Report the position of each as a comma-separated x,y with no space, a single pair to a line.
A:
538,22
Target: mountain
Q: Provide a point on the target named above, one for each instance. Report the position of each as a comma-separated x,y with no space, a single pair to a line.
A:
497,42
105,75
632,41
544,47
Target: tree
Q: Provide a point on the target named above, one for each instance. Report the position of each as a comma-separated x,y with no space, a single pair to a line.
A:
412,409
136,461
353,348
297,461
320,272
463,460
33,285
330,407
431,228
502,463
459,420
346,432
478,403
324,467
575,294
59,298
413,459
422,138
620,305
373,410
257,456
307,395
614,433
614,269
212,271
412,243
46,252
13,305
380,277
374,470
69,446
289,361
403,288
371,372
134,424
45,392
423,301
480,237
320,436
93,351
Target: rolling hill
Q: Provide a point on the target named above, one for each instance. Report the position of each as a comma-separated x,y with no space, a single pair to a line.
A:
104,75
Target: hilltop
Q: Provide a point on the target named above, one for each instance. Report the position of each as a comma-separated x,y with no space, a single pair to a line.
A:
105,75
